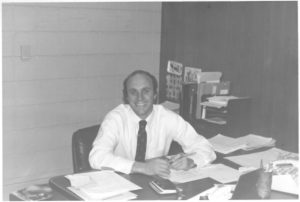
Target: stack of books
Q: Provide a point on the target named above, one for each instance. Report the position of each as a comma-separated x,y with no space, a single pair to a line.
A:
225,145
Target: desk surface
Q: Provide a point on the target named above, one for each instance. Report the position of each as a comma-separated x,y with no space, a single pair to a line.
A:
190,189
60,184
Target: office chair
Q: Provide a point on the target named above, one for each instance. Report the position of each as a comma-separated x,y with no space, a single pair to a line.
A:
82,141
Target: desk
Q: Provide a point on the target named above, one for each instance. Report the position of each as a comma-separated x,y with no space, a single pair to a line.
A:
190,189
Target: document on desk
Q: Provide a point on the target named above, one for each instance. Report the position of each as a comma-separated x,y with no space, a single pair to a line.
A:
219,172
254,159
225,145
100,185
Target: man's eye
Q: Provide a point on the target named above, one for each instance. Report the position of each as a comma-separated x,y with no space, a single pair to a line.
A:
147,90
132,92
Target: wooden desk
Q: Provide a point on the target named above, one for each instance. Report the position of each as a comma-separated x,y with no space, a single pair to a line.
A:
60,184
190,189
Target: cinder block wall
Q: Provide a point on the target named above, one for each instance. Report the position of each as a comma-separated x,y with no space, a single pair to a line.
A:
63,67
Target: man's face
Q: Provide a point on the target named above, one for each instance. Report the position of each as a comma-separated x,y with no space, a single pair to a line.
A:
140,95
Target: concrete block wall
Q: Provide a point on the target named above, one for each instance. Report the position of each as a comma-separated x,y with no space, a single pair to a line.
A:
63,68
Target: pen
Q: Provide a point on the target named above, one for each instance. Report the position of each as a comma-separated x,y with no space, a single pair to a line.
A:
182,155
261,164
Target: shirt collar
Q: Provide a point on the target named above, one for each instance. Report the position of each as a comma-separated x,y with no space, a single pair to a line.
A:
136,118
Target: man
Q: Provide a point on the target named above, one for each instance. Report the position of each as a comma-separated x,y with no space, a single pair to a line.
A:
117,145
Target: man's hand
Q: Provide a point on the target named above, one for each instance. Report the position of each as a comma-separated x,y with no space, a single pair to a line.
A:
181,162
155,166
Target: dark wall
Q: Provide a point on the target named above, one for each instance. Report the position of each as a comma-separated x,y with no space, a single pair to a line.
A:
254,44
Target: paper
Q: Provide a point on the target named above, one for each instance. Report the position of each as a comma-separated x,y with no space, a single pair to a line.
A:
284,183
191,74
124,196
217,192
223,173
181,176
225,145
101,184
221,100
219,172
255,141
254,159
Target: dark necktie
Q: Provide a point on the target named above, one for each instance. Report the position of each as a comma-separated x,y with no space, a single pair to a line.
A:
141,142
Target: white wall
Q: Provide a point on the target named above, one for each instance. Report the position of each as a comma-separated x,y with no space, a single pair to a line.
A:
79,54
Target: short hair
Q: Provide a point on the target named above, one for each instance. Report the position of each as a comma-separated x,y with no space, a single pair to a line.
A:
153,79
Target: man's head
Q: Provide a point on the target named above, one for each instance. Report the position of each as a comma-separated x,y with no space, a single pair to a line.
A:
140,92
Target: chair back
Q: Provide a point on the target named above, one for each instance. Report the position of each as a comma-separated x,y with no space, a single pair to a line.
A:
82,142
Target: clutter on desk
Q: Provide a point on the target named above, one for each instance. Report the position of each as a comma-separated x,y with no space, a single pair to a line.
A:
217,192
225,145
163,186
101,185
283,164
218,172
254,159
285,175
264,183
39,192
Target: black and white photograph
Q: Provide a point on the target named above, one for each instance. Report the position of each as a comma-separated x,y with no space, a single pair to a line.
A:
150,100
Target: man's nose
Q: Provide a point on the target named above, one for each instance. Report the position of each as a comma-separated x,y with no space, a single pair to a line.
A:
140,96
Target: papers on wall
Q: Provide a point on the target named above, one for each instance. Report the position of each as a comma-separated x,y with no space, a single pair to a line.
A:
101,185
175,68
219,172
191,75
254,159
225,145
210,77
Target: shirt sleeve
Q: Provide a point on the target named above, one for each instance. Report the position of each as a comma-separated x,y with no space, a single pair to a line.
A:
191,141
102,153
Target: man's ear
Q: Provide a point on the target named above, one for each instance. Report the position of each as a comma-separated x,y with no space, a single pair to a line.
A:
155,98
125,100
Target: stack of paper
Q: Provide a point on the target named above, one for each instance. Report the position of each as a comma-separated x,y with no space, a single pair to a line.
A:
255,141
101,185
221,100
225,145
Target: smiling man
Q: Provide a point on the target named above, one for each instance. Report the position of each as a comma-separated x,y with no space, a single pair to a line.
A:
136,136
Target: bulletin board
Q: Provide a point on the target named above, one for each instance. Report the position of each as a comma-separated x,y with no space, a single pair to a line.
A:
173,81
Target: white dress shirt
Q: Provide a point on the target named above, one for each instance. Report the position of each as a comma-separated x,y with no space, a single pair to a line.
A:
115,144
